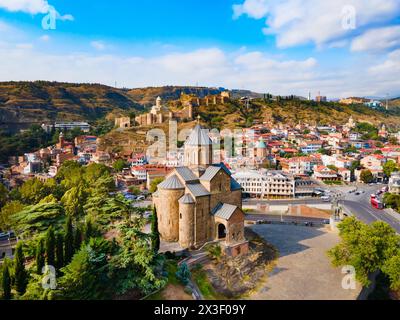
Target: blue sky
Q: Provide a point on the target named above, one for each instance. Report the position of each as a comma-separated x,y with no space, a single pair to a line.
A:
278,46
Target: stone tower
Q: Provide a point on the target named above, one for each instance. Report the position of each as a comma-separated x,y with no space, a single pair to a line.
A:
61,141
158,103
261,148
198,150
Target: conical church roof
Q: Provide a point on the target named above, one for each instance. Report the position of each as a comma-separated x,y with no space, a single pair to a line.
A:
172,183
186,199
198,137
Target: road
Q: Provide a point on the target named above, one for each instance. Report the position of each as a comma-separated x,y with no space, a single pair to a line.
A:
360,206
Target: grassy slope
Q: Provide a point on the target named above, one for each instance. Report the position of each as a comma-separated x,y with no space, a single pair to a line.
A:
43,101
292,112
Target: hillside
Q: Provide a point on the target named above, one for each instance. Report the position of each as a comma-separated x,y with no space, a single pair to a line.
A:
35,102
394,103
235,114
292,112
28,102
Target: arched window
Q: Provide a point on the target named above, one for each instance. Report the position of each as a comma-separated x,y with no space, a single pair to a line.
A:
221,231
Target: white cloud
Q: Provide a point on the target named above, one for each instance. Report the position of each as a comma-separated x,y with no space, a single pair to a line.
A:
256,9
98,45
28,6
390,66
297,22
32,7
240,69
377,39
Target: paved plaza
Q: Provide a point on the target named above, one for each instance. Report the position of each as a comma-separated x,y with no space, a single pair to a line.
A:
303,270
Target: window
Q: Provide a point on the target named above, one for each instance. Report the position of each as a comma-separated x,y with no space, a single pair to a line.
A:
180,215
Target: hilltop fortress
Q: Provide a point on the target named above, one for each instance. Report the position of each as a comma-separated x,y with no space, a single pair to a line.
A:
185,108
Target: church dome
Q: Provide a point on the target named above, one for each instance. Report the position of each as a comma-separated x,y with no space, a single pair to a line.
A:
261,144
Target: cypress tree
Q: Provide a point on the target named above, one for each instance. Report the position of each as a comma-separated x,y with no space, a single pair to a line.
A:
69,241
60,251
155,240
50,247
6,283
21,276
77,239
39,256
89,231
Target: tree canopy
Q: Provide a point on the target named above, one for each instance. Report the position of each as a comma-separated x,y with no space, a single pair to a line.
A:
368,248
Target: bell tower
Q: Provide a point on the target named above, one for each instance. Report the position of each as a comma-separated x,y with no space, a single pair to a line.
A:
198,149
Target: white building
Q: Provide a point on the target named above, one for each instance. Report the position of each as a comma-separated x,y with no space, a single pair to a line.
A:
65,126
394,183
139,172
264,183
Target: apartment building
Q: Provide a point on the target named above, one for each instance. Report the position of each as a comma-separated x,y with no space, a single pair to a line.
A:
266,183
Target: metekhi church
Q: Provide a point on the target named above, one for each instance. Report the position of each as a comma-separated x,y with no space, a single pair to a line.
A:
200,202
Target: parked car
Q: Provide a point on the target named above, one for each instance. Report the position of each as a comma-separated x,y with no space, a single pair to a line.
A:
140,198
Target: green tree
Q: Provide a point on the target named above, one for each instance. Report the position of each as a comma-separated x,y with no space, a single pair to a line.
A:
366,247
392,269
59,251
77,239
86,277
39,254
21,275
74,200
90,230
390,167
134,190
154,184
50,247
155,240
3,195
366,176
183,274
32,191
69,240
392,200
38,218
120,164
7,212
323,151
6,280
